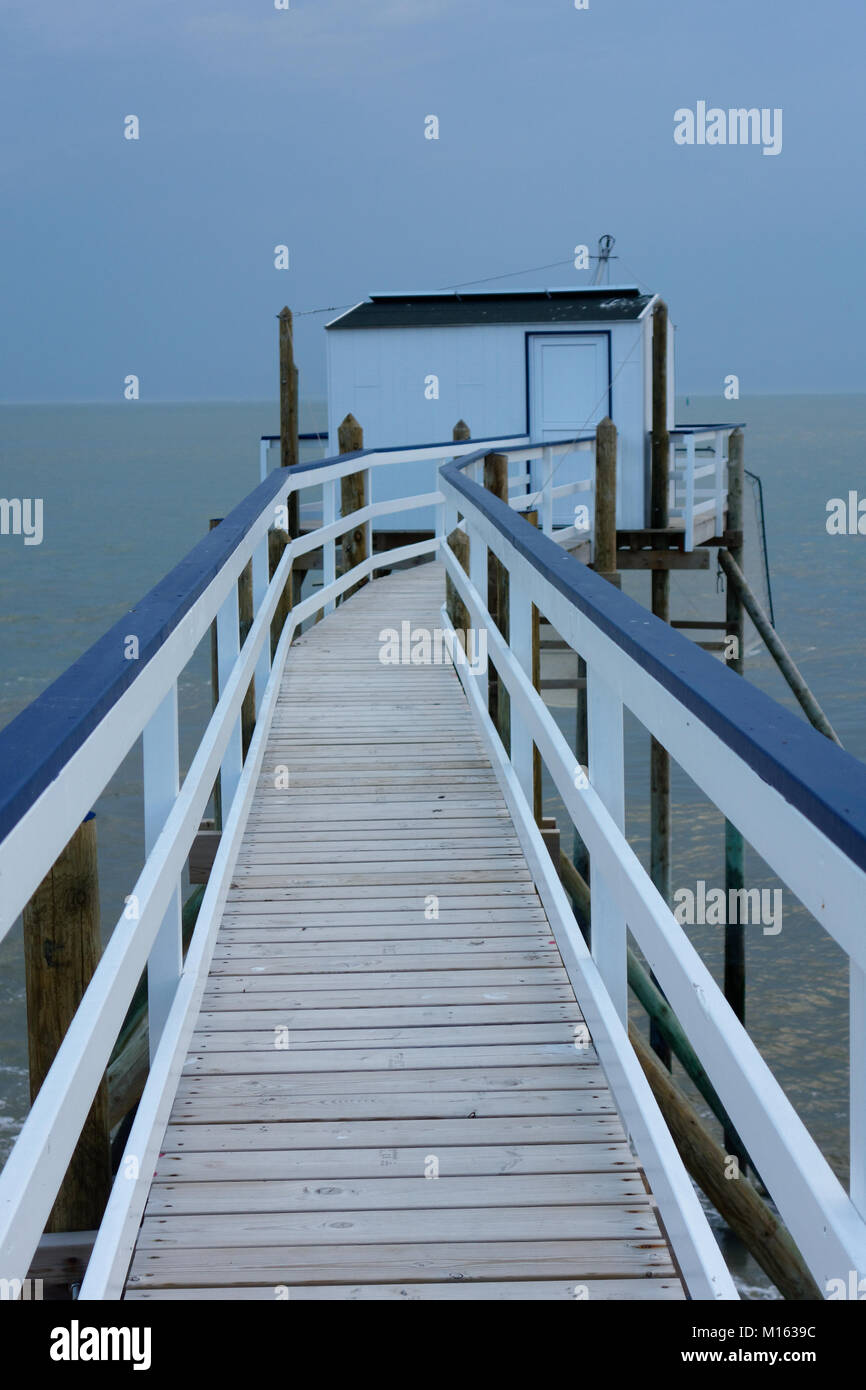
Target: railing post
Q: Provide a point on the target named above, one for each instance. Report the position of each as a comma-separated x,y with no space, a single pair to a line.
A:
857,1085
520,625
229,647
61,952
606,776
329,548
719,460
161,766
478,573
263,459
689,504
547,491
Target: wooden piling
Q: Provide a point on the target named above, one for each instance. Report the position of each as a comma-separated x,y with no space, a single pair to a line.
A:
245,617
605,501
215,694
459,543
537,773
734,1198
289,454
277,542
660,770
777,649
353,496
735,878
61,951
496,481
457,610
289,449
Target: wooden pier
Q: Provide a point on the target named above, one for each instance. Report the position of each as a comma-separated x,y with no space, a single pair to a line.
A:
390,1091
387,1064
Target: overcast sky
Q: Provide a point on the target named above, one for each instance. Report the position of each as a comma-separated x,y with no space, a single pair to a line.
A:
305,127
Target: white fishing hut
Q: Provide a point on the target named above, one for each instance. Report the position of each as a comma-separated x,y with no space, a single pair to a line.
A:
546,364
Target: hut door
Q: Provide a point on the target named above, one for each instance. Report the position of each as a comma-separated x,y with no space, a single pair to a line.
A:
568,395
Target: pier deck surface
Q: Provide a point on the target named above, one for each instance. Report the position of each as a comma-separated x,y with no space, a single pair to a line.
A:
352,1044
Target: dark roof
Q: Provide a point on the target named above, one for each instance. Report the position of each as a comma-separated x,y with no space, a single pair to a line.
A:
599,304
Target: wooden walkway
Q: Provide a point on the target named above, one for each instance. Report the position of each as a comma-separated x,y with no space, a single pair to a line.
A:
381,1102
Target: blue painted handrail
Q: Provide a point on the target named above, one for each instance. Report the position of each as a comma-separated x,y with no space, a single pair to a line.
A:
45,735
821,780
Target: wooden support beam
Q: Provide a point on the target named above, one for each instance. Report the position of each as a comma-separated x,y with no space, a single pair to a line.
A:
61,951
734,1198
62,1257
653,538
661,562
777,649
697,625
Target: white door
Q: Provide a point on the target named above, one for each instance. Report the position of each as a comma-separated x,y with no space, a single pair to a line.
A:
569,382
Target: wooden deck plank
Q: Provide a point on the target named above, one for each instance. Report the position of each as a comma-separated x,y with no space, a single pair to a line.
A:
458,1263
393,1135
348,1036
522,1291
456,1161
241,1102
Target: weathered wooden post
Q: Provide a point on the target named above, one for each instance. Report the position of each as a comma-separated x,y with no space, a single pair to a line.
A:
537,785
61,951
605,501
278,539
735,936
660,767
288,459
248,709
459,543
215,694
245,620
353,496
496,481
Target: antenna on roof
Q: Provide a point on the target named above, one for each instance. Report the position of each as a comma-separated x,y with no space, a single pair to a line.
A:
605,246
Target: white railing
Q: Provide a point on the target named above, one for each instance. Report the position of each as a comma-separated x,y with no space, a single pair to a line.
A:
697,454
627,668
66,783
777,780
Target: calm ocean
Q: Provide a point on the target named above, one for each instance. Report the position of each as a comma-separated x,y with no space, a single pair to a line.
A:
129,488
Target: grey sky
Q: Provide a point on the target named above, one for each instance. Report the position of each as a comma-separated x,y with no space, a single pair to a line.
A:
306,127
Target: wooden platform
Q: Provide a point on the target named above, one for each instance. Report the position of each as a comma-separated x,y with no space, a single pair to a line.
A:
383,1098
